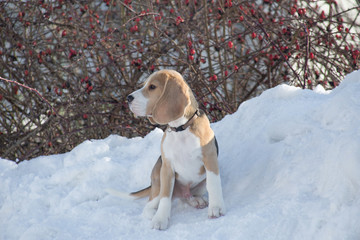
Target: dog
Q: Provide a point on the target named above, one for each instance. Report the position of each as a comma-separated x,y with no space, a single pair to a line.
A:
188,164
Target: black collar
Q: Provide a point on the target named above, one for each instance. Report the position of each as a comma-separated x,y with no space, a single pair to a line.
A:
187,124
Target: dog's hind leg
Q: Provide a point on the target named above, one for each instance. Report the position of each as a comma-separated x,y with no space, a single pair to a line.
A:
198,199
151,207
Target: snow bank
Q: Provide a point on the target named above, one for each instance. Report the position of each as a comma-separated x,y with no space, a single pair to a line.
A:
290,165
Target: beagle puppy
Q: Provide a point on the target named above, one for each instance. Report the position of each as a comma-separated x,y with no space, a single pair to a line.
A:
188,164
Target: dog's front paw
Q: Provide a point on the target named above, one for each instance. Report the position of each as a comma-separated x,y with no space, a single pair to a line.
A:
159,223
216,211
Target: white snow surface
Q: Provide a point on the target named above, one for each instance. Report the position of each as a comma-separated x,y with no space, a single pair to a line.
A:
290,169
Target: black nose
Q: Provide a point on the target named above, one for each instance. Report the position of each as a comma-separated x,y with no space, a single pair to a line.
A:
130,98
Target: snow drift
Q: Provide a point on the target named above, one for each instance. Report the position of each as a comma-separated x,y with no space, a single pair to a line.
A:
290,168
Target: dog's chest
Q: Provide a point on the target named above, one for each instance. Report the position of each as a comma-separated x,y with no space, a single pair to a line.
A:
183,150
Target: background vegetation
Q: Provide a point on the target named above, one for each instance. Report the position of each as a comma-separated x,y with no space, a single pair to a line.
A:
66,67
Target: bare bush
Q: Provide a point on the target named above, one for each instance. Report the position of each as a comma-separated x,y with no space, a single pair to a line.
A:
67,66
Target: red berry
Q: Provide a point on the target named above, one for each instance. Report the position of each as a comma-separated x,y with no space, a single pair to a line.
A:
89,89
72,53
213,78
322,15
63,34
179,20
253,35
292,11
189,44
192,52
312,56
301,11
191,57
355,54
85,116
230,44
134,29
15,89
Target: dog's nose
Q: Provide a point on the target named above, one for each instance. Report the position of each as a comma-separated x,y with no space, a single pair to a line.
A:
130,98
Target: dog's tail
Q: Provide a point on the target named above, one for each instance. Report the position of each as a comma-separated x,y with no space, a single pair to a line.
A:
134,195
142,193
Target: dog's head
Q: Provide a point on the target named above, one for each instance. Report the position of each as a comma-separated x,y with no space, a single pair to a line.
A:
164,97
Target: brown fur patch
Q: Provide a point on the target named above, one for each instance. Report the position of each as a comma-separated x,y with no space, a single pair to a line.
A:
201,128
155,180
167,179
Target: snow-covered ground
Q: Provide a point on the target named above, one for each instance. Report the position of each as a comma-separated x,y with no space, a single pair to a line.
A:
290,167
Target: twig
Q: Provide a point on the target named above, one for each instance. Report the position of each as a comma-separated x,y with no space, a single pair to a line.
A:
306,56
280,52
32,90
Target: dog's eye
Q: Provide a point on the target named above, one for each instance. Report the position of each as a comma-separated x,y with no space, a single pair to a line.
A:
152,87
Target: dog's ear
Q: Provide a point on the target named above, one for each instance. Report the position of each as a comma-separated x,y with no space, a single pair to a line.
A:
152,121
173,101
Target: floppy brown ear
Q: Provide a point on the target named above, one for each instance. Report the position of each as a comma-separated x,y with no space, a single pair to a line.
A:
172,103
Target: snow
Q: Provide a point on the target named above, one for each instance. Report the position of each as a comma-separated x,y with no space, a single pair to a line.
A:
290,169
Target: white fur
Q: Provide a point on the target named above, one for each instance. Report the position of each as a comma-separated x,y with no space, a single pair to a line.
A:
183,150
151,207
178,122
119,194
216,202
161,219
138,105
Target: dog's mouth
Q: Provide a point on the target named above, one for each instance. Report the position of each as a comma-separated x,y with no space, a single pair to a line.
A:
138,110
